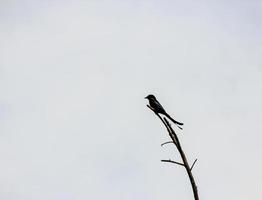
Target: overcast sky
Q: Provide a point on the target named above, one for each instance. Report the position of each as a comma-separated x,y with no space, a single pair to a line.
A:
73,119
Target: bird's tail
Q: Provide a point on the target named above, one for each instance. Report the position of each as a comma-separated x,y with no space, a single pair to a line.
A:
176,122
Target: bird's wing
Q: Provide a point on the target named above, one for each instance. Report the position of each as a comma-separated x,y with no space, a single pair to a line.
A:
159,107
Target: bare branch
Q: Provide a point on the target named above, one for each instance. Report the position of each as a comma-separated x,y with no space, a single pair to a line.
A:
171,161
165,122
176,141
167,143
193,165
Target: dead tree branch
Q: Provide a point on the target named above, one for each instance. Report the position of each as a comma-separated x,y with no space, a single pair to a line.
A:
171,161
176,142
166,125
167,143
193,164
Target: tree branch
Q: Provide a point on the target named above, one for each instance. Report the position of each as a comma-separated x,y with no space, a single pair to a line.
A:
174,137
193,165
176,141
166,124
171,161
167,143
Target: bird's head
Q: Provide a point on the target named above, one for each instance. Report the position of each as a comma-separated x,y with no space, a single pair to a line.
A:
150,96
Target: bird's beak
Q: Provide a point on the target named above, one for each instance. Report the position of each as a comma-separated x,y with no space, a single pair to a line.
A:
145,97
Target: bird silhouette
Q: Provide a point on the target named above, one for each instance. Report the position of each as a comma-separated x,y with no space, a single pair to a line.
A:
158,108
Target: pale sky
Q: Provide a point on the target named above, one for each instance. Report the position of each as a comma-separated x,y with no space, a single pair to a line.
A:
74,122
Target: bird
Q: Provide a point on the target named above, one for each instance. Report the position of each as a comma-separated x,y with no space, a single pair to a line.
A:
158,108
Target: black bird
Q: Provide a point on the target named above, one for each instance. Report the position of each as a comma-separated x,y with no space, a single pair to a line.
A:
158,108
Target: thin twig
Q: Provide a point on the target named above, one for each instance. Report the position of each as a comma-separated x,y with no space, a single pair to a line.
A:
171,161
193,165
167,143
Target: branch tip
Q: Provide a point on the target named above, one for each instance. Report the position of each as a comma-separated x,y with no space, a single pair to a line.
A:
193,165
